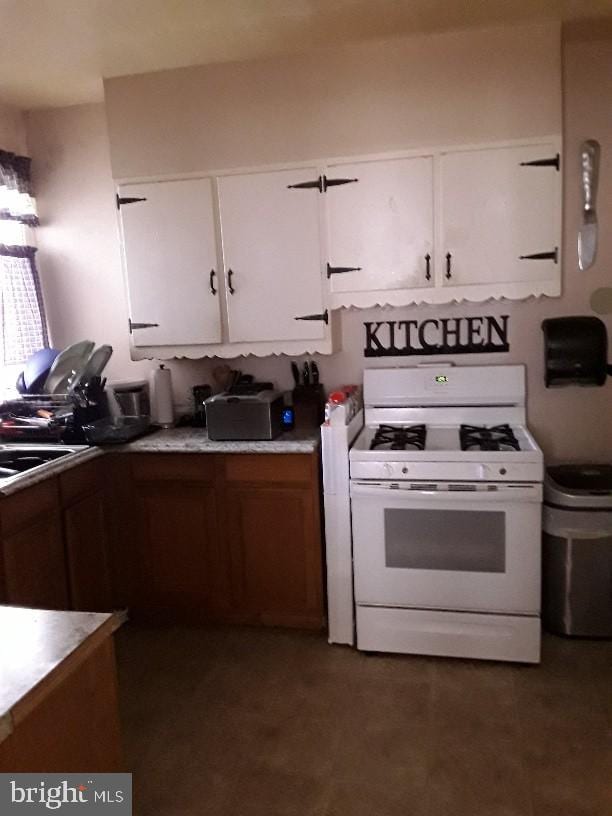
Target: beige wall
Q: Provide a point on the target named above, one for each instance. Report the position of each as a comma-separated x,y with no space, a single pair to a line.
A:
80,257
12,130
457,87
78,239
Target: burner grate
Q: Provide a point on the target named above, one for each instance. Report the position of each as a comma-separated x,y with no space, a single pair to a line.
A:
394,437
495,438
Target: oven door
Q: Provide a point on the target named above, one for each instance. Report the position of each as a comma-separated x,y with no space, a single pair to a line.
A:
474,549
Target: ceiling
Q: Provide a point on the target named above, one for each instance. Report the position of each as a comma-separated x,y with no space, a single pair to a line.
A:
56,52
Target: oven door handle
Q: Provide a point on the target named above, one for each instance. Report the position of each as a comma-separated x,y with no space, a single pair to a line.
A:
503,493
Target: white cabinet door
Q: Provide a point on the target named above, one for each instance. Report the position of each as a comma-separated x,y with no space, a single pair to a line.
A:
272,256
381,223
170,251
495,210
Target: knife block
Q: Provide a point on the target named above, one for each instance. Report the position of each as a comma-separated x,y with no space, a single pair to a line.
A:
308,406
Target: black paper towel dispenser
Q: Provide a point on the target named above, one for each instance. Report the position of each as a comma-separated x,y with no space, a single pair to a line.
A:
575,351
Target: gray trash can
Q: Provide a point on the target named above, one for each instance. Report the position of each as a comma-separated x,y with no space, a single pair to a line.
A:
577,550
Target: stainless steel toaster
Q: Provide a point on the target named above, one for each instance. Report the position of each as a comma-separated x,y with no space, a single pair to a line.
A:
245,416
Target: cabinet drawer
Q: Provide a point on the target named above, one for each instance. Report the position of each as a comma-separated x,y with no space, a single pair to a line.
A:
270,467
21,509
174,467
80,481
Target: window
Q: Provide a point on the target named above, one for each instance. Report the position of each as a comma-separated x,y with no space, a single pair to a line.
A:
23,328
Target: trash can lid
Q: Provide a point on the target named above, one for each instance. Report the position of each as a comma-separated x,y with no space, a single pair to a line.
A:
579,486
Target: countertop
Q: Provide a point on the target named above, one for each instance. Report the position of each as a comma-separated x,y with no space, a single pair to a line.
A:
195,440
33,643
172,440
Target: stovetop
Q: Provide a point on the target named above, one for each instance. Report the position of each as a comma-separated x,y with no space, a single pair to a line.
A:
491,438
404,437
458,441
462,451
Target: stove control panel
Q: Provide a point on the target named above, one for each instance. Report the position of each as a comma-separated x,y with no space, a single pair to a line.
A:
448,471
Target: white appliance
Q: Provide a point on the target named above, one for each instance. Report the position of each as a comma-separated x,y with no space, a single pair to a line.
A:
445,486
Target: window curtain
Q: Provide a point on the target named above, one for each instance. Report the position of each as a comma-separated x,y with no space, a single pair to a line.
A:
23,326
16,199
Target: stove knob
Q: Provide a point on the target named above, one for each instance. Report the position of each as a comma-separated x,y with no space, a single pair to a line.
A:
404,470
503,471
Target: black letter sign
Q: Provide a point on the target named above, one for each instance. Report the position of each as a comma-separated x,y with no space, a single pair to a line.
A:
459,335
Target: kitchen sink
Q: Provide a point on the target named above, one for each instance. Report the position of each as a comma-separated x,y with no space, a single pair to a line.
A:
16,459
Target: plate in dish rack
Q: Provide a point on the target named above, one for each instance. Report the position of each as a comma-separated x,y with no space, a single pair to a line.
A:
94,367
68,364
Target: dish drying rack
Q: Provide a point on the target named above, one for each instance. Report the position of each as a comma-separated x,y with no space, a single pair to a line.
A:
35,417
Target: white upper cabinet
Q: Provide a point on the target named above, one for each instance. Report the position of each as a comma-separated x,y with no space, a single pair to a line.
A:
447,225
271,233
170,260
500,219
380,223
436,225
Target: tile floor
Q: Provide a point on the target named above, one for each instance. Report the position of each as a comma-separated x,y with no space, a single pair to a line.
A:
255,722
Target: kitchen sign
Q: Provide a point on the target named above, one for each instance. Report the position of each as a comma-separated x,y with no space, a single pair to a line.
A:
449,335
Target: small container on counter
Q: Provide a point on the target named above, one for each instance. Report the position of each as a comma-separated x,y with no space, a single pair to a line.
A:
347,395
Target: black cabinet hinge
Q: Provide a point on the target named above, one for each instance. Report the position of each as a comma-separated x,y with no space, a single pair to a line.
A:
336,182
554,161
340,270
542,256
321,184
134,326
324,317
308,185
127,200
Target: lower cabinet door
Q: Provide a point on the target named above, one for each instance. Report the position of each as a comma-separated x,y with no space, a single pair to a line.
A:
35,565
178,572
86,551
275,546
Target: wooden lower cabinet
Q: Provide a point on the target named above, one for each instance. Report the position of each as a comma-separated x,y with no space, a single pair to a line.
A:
269,504
35,566
70,721
230,538
179,574
86,554
276,559
172,537
53,543
84,507
32,548
168,564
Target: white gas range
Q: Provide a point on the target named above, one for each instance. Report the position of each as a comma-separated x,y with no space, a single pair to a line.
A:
445,488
